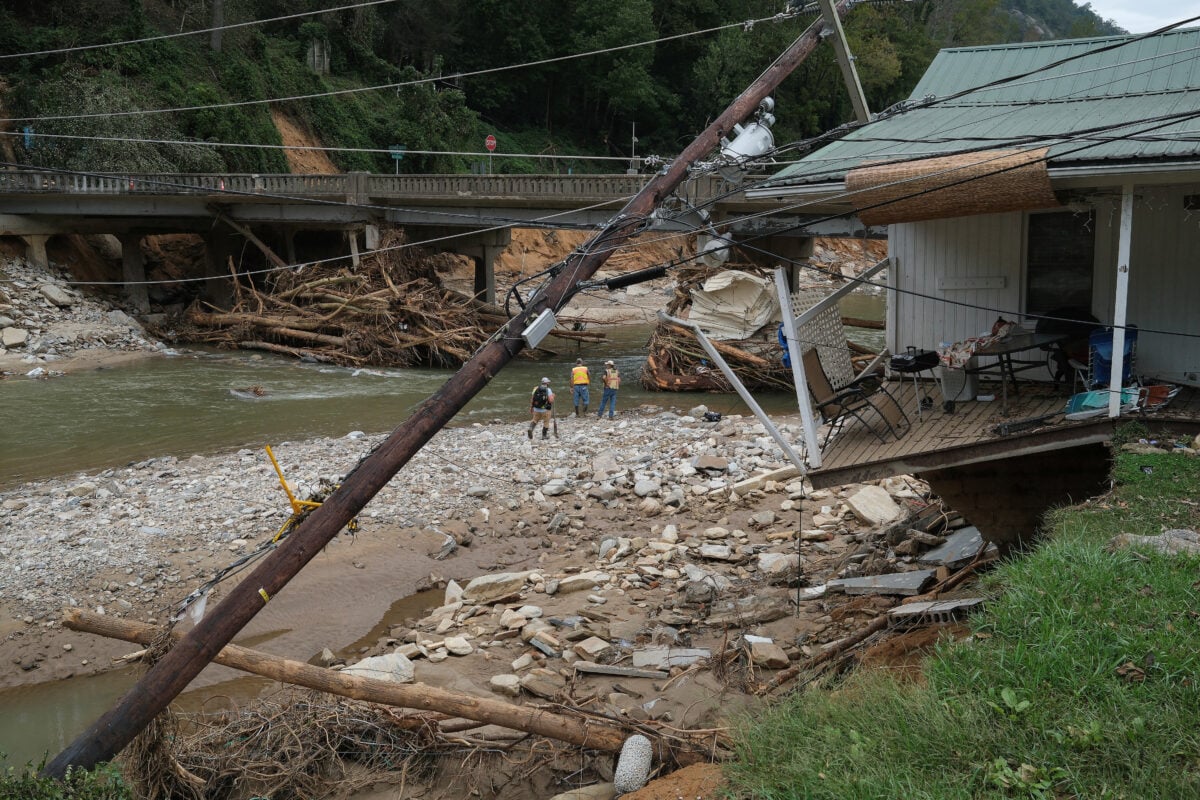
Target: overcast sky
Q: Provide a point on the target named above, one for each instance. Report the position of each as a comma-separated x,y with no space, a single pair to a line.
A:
1142,16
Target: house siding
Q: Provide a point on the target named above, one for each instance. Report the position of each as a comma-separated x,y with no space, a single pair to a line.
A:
1164,285
1164,282
960,249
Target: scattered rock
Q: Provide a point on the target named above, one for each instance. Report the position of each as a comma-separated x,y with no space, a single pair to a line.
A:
390,667
874,506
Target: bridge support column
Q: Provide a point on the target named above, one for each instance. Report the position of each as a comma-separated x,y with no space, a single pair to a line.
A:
35,249
355,260
133,272
218,289
793,248
485,273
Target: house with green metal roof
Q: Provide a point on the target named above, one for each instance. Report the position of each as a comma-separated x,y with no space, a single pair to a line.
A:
1034,180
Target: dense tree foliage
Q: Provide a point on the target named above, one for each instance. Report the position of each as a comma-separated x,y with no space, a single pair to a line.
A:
436,75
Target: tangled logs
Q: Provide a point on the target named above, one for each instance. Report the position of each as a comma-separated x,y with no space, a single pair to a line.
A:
390,311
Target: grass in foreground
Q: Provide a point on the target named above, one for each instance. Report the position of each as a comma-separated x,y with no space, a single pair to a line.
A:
102,783
1080,680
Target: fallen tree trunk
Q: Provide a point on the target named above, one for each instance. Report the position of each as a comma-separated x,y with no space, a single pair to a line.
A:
223,319
859,322
579,732
582,336
294,352
728,350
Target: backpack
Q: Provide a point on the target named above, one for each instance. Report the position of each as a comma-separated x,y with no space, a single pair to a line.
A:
541,398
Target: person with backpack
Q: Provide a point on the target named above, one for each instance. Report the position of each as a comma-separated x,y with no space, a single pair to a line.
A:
580,381
612,382
541,405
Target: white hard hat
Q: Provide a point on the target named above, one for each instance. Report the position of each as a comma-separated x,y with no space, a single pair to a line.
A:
545,380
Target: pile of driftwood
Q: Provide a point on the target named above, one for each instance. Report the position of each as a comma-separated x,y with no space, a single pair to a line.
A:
390,311
675,361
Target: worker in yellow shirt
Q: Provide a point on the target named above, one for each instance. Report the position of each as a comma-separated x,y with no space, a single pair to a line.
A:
580,381
612,382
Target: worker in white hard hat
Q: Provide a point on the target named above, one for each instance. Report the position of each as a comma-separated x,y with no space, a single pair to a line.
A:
612,382
541,406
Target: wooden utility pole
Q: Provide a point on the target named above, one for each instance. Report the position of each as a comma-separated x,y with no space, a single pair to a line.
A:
171,674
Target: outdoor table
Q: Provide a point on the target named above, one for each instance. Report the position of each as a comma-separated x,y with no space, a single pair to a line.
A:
1006,367
913,363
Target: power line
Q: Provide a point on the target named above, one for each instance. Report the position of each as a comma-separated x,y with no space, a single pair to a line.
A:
403,84
308,148
181,34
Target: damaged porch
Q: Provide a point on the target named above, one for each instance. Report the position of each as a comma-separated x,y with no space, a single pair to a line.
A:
1002,482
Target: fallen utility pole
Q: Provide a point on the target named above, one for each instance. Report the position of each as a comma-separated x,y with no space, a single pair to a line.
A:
164,681
590,733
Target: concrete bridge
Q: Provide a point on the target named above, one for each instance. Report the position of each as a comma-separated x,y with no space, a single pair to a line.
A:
334,215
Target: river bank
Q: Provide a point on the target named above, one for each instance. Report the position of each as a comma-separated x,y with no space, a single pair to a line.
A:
649,530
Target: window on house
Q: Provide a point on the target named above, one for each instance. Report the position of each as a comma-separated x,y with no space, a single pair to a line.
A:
1060,255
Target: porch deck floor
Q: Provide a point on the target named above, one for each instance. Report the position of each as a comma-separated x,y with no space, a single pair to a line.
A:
974,422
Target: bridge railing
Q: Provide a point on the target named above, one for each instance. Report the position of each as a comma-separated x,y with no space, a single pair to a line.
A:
599,187
355,187
174,183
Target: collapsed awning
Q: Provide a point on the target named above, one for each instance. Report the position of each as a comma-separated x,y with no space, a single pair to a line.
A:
733,305
960,185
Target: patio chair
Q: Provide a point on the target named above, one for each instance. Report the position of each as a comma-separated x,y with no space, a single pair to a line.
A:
1068,358
1100,356
865,400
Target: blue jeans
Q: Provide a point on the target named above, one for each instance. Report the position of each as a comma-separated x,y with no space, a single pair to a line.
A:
580,395
608,398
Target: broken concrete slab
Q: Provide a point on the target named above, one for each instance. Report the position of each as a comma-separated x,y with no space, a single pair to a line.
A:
758,481
959,548
667,657
935,611
900,583
614,669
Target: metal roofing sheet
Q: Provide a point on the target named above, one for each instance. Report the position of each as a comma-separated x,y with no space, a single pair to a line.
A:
1123,98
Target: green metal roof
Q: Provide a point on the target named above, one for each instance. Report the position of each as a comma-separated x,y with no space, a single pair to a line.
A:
1123,91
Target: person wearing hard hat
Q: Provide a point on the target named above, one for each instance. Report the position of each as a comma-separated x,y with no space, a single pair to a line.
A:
612,382
580,381
541,405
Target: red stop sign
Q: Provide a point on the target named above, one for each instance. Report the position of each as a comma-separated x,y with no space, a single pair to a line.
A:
490,142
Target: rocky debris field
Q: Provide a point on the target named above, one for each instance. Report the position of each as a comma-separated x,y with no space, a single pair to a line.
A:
651,565
45,321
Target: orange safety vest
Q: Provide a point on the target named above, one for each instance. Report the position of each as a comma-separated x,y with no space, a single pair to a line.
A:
579,376
612,379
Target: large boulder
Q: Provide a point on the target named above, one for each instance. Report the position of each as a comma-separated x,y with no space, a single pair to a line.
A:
391,667
487,588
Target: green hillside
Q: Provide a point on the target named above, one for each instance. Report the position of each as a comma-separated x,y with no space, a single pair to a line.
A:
418,53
